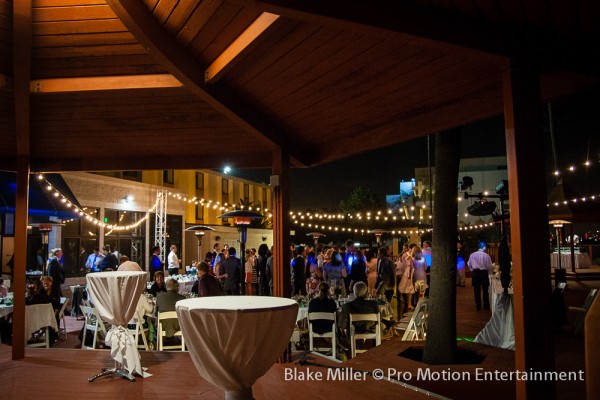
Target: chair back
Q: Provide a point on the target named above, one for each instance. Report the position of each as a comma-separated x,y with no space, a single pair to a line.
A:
355,336
313,316
162,316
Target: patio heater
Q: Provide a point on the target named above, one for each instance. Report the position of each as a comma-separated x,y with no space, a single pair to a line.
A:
560,273
316,236
241,219
378,233
199,231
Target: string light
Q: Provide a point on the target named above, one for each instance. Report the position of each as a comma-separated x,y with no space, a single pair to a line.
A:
574,200
571,168
81,211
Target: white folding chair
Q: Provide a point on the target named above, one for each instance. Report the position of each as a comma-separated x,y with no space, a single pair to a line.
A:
93,323
61,317
138,331
416,327
161,333
332,335
355,336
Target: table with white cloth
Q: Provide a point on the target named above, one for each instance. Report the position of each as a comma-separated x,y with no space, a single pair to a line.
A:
496,290
38,316
115,295
582,260
5,310
234,340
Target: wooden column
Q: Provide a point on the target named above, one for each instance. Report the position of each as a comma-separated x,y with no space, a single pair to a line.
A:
22,76
282,280
534,338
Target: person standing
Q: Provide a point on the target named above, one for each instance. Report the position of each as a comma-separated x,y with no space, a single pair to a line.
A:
230,270
385,273
358,269
173,261
93,260
299,273
56,270
155,262
460,265
109,262
481,265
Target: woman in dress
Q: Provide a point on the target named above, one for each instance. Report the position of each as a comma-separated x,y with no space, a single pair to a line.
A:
420,274
334,273
406,287
316,275
371,272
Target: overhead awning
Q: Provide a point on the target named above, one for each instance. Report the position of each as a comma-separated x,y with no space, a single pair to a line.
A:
44,205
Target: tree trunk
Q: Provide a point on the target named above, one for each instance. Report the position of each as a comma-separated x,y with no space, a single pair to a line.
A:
440,343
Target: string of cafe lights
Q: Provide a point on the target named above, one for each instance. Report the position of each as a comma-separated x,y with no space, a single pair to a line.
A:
216,205
575,167
113,227
575,200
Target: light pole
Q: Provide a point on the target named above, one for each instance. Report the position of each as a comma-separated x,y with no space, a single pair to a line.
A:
241,219
199,231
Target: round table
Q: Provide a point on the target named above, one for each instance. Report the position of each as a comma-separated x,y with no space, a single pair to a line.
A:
234,340
115,295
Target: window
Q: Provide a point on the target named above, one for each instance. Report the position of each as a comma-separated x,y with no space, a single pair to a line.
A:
246,193
169,176
225,191
199,181
133,175
200,212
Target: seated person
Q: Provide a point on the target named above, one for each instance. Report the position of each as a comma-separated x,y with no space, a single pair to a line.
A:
47,293
166,302
3,289
207,284
159,284
359,306
325,304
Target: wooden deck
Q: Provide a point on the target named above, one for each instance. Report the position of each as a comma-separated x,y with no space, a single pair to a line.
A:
62,372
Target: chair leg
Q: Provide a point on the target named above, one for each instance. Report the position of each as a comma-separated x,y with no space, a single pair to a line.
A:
140,329
47,338
83,336
334,345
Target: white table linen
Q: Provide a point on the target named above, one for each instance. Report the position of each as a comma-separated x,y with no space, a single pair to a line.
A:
38,316
582,260
234,340
115,295
5,310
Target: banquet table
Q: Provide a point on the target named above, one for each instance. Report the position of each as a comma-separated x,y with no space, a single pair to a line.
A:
38,316
582,260
5,310
234,340
115,295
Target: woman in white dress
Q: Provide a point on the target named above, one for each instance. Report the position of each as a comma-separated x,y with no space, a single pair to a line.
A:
420,274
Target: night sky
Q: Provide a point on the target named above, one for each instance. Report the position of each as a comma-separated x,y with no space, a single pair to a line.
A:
577,138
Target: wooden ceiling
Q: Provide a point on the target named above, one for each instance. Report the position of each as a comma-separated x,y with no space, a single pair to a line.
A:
120,84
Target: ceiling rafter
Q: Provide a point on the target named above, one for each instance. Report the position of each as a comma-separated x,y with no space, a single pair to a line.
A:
435,27
169,53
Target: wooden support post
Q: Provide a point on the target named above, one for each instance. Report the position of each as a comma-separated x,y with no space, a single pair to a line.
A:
534,339
22,27
282,280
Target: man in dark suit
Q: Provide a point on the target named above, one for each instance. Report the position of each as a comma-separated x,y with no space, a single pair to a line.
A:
385,273
231,270
360,305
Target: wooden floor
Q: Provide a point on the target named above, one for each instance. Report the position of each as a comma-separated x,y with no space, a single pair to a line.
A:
63,372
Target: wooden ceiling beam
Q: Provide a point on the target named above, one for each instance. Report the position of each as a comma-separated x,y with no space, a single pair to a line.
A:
253,159
121,82
169,53
422,25
435,27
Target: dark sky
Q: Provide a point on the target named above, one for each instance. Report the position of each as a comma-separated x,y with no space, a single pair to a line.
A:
576,126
